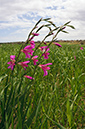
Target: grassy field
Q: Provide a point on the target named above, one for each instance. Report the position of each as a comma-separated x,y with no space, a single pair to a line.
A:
56,101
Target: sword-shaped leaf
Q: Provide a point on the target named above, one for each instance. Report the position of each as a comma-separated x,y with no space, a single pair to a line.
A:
71,26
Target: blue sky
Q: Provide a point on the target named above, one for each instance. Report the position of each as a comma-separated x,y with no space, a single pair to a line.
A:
17,18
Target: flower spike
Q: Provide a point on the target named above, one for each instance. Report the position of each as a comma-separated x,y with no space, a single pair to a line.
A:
24,64
45,68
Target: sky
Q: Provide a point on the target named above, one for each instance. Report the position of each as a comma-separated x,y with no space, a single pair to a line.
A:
18,17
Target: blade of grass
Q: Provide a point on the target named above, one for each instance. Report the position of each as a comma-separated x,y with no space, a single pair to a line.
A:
60,126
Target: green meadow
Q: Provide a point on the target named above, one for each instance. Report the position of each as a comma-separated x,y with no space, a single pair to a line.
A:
55,101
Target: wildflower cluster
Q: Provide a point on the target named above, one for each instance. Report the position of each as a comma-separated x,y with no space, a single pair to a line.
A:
29,51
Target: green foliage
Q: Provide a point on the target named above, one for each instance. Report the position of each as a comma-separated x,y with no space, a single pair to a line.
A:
53,101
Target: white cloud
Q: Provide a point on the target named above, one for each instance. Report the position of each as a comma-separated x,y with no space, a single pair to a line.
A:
23,14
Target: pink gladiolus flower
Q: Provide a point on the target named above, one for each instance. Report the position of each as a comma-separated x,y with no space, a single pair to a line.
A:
81,48
57,44
28,49
35,34
34,59
43,48
12,57
32,44
46,54
24,64
45,68
12,63
28,77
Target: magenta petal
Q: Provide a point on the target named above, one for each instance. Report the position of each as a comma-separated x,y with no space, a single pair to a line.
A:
57,44
9,66
47,49
35,56
9,62
26,62
45,55
24,65
31,53
12,67
35,34
28,77
43,48
12,57
81,48
35,60
32,41
27,55
45,73
48,64
27,47
46,68
24,68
